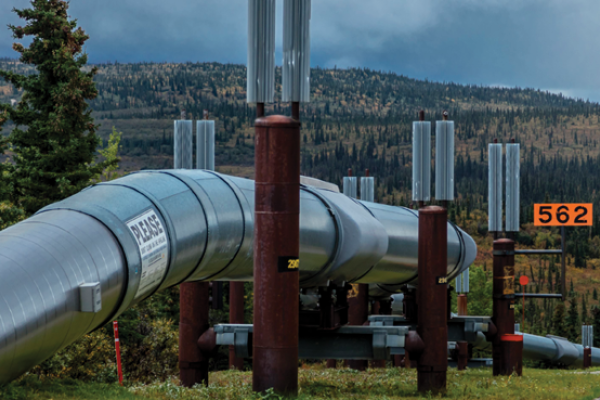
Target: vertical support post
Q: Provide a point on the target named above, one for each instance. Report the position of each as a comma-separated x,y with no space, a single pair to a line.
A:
358,314
563,269
461,301
503,307
462,348
276,252
432,299
587,357
411,314
236,316
193,322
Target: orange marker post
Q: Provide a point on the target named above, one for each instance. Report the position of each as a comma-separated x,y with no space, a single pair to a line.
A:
523,280
572,214
118,350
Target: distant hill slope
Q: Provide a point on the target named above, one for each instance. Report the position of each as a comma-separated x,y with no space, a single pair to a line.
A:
358,118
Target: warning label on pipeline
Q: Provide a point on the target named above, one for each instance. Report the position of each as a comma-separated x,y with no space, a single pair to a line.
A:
152,241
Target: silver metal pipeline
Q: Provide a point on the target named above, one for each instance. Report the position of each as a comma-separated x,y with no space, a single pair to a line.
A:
131,237
554,350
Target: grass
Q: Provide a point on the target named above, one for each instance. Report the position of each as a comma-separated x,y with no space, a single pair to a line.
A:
316,382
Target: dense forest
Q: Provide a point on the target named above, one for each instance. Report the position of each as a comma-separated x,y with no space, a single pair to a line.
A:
360,118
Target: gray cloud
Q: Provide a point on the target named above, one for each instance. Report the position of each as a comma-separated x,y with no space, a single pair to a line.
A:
548,44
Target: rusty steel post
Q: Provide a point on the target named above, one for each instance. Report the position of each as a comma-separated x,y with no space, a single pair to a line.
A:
432,297
411,314
193,322
462,355
512,354
587,357
461,302
462,348
260,110
236,316
296,110
503,302
276,252
358,314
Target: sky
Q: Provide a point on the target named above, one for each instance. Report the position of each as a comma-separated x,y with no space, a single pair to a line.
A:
544,44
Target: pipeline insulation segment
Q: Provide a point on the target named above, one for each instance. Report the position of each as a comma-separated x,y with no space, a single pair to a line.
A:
142,233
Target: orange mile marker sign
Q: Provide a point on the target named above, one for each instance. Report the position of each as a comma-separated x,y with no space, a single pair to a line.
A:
573,214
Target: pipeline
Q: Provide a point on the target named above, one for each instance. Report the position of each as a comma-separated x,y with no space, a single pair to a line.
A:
553,350
116,243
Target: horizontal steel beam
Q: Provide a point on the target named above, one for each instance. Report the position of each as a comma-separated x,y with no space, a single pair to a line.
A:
345,343
537,251
460,328
540,295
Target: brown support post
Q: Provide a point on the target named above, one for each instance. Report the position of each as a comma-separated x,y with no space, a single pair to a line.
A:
461,301
563,270
276,252
260,110
432,297
193,322
358,314
462,348
411,314
503,304
587,357
236,316
512,353
296,110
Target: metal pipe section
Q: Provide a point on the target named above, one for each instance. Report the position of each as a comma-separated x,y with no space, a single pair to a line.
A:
276,255
154,229
432,298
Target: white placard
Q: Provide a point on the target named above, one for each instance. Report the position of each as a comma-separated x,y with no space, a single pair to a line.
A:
153,244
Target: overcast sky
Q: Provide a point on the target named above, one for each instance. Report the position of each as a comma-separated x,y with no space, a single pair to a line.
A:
547,44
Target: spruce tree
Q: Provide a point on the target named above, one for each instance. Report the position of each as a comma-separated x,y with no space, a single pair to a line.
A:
572,322
584,310
54,141
558,320
596,323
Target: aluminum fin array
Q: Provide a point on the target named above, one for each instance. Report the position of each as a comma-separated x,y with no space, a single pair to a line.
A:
182,148
205,145
513,171
261,51
444,160
495,187
421,177
296,50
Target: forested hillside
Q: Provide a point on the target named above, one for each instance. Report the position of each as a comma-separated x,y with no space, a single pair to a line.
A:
359,119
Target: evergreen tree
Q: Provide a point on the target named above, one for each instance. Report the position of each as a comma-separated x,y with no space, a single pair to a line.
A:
558,320
595,294
584,311
572,322
54,140
596,323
